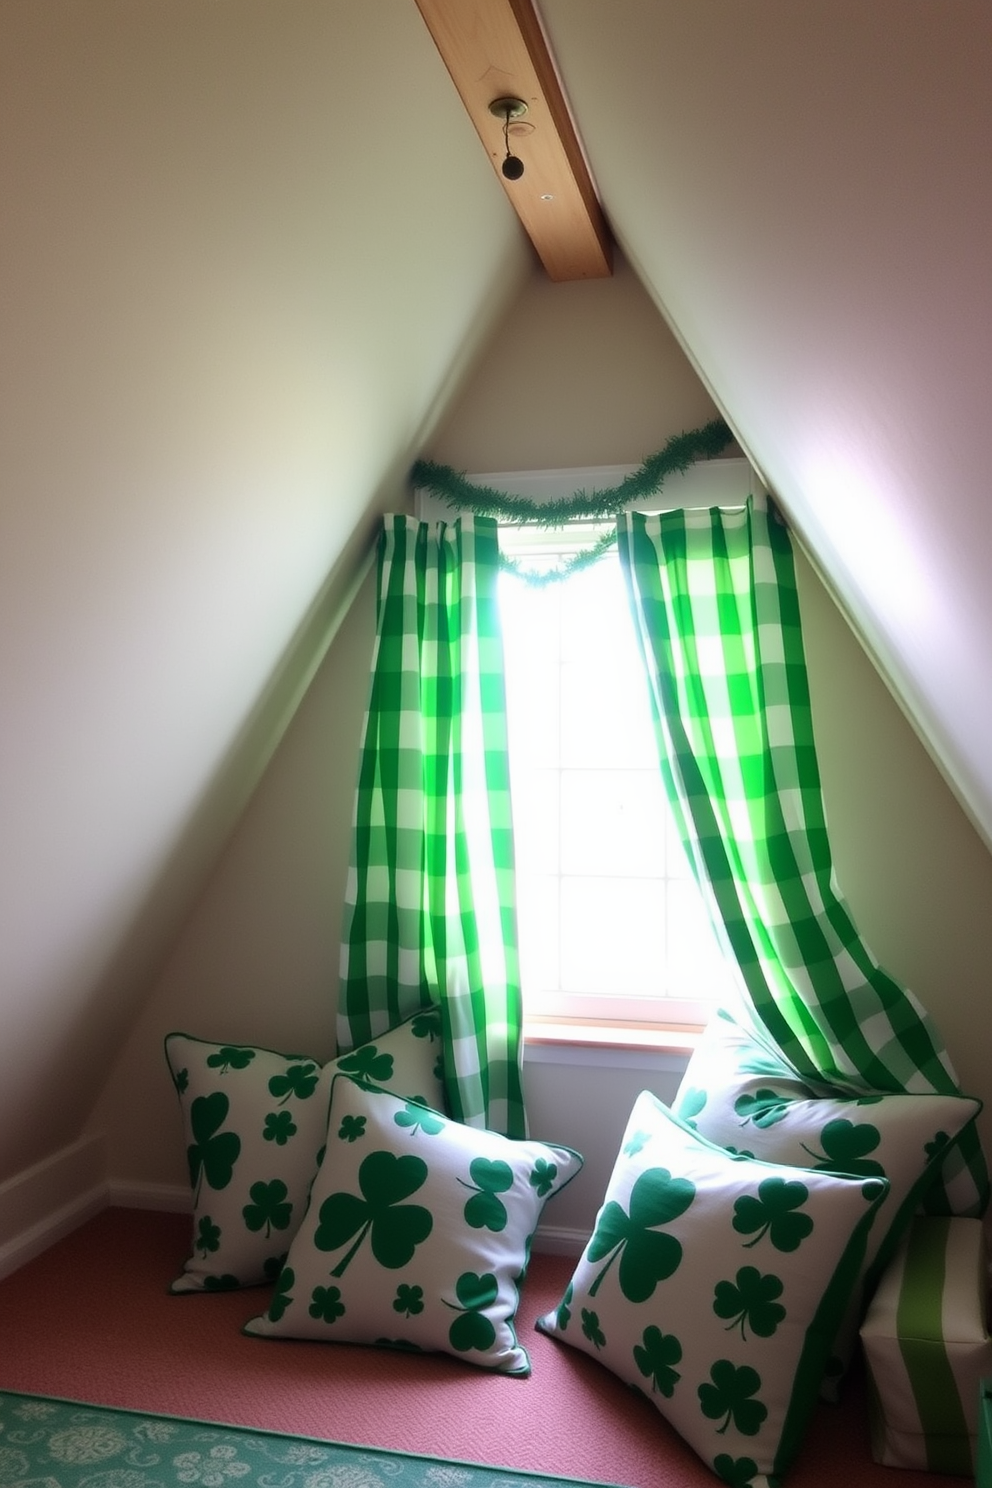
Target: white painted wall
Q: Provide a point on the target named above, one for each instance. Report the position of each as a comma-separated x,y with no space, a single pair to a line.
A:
232,301
805,187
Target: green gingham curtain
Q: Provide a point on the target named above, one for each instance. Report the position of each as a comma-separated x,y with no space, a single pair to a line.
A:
714,599
429,913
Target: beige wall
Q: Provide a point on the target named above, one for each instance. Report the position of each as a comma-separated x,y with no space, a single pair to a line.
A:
218,354
915,872
579,374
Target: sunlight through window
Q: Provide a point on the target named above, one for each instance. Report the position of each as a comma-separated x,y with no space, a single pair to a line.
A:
612,925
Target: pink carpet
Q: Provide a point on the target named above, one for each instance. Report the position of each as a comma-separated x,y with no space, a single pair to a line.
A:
92,1320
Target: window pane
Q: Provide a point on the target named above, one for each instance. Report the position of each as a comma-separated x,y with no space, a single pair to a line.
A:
696,967
539,933
613,823
536,820
531,626
609,913
612,937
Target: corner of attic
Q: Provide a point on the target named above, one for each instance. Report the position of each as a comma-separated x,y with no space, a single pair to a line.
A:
446,340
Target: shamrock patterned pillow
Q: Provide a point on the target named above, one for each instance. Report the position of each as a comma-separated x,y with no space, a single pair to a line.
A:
418,1233
254,1123
713,1283
741,1096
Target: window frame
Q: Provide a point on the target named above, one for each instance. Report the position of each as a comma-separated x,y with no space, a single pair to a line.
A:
581,1019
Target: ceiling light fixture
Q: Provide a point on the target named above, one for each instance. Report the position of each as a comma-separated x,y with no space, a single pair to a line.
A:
507,109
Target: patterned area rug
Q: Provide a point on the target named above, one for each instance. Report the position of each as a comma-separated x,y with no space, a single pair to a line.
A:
50,1443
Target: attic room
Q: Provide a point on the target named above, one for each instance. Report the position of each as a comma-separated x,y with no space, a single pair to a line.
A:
256,264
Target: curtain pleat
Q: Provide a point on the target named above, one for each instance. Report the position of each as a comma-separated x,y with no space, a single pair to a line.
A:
715,605
429,913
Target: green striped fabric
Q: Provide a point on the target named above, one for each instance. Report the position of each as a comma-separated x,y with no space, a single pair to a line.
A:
429,911
715,605
983,1447
927,1348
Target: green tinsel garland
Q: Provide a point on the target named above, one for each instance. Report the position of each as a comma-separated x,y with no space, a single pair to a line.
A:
681,451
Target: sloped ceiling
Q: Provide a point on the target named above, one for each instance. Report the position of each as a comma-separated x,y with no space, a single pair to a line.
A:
246,249
806,190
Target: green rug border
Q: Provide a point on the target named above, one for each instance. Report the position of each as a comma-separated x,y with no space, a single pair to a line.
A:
317,1441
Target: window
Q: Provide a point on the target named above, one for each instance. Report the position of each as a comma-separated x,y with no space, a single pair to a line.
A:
612,926
611,922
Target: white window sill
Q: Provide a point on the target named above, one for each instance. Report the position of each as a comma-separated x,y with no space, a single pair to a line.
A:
617,1045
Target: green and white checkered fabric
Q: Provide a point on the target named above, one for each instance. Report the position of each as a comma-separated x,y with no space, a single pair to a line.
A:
715,605
429,907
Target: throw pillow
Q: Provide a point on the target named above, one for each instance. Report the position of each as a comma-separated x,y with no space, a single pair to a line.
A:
713,1284
418,1233
739,1095
254,1123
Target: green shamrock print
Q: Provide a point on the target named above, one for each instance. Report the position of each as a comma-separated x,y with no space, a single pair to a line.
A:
750,1302
691,1104
736,1472
395,1229
230,1057
418,1116
484,1211
764,1108
846,1147
207,1236
542,1177
299,1080
272,1265
939,1142
282,1296
352,1128
591,1328
225,1283
472,1329
181,1081
213,1153
646,1257
771,1214
326,1304
563,1315
655,1355
728,1398
760,1064
409,1300
269,1209
368,1065
279,1127
426,1026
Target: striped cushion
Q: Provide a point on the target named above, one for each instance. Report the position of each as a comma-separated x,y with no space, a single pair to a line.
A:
983,1465
927,1348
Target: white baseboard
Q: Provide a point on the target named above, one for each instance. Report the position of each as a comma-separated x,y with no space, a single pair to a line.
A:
36,1211
48,1200
552,1240
168,1198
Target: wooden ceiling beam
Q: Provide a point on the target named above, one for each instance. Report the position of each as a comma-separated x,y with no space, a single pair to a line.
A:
496,49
